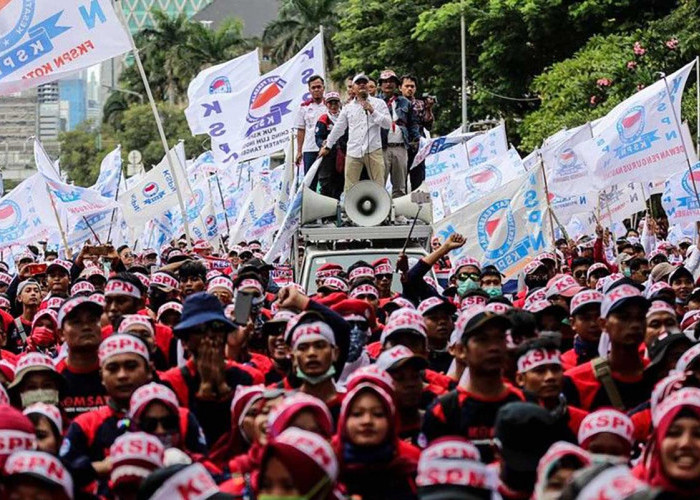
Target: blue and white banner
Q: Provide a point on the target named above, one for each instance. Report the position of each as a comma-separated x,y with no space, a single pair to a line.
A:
639,136
42,41
567,173
439,144
619,202
487,146
156,191
679,200
214,85
565,207
110,174
256,120
24,214
505,228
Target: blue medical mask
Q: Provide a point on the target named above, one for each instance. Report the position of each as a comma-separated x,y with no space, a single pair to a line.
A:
493,291
465,286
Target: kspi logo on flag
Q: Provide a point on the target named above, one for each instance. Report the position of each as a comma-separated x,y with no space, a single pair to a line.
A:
679,200
220,85
152,193
10,219
263,112
630,128
484,179
489,220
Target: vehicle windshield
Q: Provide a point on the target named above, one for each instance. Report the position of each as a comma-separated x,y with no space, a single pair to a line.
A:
348,259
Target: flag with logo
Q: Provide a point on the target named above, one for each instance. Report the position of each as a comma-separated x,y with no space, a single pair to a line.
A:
484,147
214,85
679,200
640,135
619,202
257,120
72,201
156,191
505,228
658,184
436,145
255,209
567,174
42,41
565,207
24,214
110,174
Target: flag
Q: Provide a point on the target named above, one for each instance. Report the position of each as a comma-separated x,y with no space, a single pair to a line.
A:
72,201
216,84
679,200
156,191
438,144
292,219
42,41
110,173
567,174
257,120
565,207
505,228
24,215
491,144
619,202
640,135
657,185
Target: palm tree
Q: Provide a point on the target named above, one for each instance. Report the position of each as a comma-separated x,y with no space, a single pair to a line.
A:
297,22
167,43
208,47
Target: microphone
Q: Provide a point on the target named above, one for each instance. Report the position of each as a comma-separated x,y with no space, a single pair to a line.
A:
363,95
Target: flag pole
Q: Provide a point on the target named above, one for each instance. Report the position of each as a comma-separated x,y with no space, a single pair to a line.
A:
549,205
697,101
680,132
116,198
223,205
159,125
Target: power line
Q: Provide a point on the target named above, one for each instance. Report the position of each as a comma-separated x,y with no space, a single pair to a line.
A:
521,99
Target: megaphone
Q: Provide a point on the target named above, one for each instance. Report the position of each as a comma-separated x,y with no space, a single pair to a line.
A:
367,204
316,206
407,206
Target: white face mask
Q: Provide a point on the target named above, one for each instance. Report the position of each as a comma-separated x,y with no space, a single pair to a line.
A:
48,396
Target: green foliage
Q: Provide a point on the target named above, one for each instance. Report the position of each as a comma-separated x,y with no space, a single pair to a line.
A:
82,151
298,21
607,71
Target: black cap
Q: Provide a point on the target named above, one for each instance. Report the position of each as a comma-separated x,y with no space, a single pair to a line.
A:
660,346
525,432
201,308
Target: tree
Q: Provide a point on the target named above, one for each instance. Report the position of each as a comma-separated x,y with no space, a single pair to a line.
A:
82,151
214,46
298,21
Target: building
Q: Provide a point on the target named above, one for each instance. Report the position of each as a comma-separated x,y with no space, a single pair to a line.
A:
139,13
72,93
255,14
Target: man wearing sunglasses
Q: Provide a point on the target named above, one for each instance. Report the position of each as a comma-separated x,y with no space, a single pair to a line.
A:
466,275
639,270
579,269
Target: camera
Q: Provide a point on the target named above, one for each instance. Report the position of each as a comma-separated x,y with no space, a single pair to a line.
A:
432,97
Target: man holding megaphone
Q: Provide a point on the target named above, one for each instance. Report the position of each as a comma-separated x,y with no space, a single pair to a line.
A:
363,117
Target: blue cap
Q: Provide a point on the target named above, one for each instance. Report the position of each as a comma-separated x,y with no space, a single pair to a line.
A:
201,308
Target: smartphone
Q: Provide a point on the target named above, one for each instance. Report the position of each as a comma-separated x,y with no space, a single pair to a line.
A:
242,308
102,250
35,269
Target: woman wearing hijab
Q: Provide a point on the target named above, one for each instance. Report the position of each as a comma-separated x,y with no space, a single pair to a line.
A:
374,463
672,458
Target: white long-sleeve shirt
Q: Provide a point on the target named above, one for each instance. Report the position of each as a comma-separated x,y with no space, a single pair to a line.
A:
364,136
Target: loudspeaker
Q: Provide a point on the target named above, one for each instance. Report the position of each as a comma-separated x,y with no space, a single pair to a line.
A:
406,207
367,204
316,206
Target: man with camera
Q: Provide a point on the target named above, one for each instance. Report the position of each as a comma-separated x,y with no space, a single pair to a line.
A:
364,117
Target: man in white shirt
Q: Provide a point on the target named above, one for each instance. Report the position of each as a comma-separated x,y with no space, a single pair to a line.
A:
308,115
364,117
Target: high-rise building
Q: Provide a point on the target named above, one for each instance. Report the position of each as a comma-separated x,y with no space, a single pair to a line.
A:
139,13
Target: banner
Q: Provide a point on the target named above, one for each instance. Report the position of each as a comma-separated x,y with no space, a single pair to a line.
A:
24,214
42,41
619,202
567,174
491,144
110,173
438,144
257,120
639,136
679,200
155,191
568,206
215,84
509,223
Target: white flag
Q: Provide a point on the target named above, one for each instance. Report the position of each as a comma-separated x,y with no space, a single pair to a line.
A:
155,192
24,213
256,121
620,201
679,200
640,135
491,144
42,41
110,173
505,228
565,207
567,174
216,84
438,144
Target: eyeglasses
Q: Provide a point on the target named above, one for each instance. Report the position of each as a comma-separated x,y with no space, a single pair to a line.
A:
150,424
579,274
383,277
466,276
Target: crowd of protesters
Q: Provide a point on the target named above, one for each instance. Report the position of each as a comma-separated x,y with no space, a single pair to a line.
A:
129,376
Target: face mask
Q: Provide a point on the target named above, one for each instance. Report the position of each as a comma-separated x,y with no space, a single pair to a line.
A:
169,440
316,380
533,283
633,240
493,291
48,396
627,272
312,493
464,286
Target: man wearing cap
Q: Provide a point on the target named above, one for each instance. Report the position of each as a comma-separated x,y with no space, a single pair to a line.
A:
163,288
330,172
37,475
124,367
470,410
58,277
682,282
29,299
205,384
583,318
363,117
437,314
661,320
305,124
618,380
402,135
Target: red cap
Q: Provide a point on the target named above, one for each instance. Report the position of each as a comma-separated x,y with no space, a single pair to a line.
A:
355,309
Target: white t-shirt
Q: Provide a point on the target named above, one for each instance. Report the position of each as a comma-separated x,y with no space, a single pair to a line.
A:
306,120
